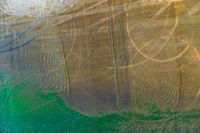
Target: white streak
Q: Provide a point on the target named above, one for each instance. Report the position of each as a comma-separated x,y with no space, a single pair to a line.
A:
35,7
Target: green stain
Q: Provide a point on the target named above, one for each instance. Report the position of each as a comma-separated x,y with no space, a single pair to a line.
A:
24,108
